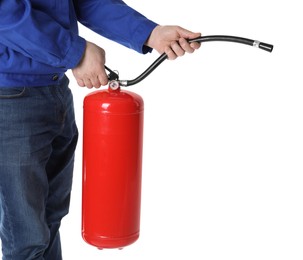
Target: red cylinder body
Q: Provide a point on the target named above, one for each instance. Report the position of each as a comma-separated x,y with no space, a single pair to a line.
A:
112,168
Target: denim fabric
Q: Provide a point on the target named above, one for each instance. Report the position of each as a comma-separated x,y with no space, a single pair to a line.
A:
38,136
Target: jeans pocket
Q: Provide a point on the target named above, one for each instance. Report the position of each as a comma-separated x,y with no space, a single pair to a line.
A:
13,92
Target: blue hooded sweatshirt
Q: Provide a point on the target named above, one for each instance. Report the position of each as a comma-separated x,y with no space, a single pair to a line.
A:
39,39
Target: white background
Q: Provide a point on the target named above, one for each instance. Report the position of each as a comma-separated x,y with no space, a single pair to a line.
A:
223,138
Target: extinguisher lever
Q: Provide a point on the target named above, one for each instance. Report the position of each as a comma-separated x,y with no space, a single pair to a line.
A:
112,75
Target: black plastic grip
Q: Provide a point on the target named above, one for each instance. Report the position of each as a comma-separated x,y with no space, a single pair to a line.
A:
266,47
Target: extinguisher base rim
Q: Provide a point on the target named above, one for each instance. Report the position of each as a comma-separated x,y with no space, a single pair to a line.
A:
104,242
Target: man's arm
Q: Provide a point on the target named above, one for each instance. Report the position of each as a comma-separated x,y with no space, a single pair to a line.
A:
36,35
116,21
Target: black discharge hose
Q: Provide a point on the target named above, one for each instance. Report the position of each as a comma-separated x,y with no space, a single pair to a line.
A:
225,38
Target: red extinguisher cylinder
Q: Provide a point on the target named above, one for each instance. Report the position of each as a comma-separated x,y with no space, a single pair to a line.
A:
112,168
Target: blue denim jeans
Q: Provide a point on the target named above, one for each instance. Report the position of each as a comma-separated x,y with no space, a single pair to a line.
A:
38,136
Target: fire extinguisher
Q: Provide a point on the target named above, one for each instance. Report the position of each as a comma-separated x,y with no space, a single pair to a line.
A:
112,162
112,157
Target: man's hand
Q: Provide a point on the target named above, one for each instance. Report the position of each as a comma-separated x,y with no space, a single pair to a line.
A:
90,72
172,40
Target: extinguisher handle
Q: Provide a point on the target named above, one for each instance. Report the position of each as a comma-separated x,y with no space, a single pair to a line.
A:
163,57
112,75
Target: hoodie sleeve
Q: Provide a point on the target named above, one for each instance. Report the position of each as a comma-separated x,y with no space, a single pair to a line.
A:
116,21
38,36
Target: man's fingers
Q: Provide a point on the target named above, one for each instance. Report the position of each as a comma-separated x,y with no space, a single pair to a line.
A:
103,79
177,49
185,45
95,82
80,82
87,83
195,45
171,55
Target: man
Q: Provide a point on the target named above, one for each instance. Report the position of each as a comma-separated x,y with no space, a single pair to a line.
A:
39,42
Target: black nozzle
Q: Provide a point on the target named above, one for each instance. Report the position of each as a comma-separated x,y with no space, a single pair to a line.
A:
266,47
